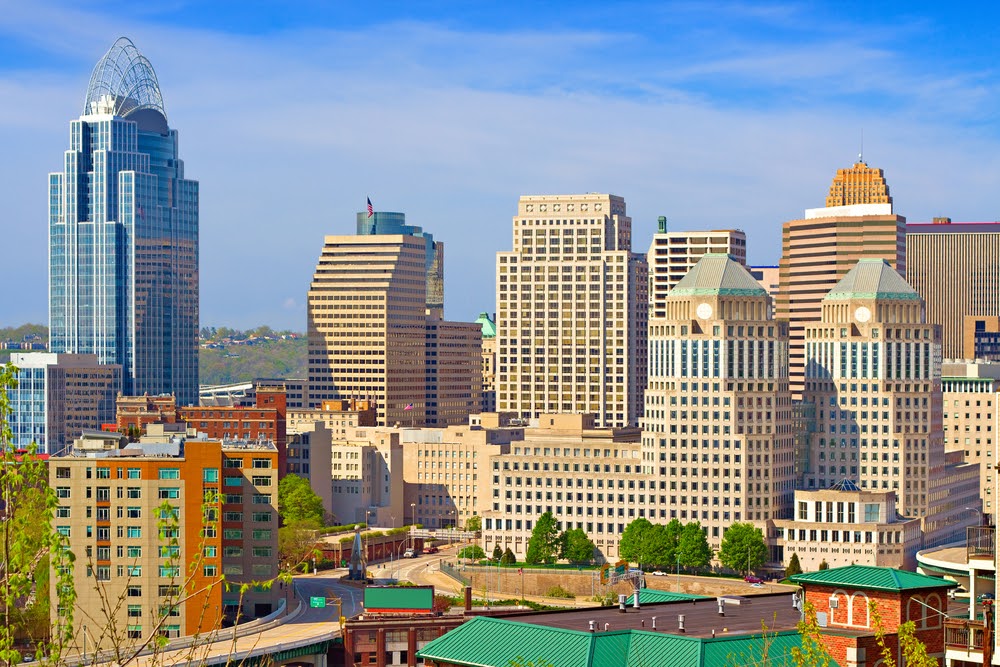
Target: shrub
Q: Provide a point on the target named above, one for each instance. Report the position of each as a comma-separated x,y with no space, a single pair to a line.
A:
558,592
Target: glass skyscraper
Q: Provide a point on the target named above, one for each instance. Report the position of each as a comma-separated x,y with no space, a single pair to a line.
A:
123,235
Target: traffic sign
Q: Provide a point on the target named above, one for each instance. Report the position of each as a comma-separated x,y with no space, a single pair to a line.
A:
317,602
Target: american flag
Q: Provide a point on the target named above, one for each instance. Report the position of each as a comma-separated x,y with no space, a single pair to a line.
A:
371,211
409,406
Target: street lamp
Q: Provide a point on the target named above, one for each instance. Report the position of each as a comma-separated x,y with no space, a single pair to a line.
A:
678,573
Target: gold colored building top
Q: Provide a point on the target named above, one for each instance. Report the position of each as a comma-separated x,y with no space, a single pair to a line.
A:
860,184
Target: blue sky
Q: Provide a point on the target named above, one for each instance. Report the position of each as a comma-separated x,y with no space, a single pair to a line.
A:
716,115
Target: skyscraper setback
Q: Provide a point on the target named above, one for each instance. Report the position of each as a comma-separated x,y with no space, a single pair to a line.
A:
123,235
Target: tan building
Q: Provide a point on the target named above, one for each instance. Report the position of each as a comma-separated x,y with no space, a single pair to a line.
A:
971,391
845,525
818,250
571,311
873,371
769,279
367,304
129,549
981,338
446,471
489,330
337,415
954,268
672,254
588,477
717,438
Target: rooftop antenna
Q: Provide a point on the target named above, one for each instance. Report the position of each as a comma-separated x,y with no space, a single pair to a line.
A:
861,153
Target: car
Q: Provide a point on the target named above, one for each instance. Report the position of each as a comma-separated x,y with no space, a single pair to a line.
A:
751,579
410,553
658,573
430,550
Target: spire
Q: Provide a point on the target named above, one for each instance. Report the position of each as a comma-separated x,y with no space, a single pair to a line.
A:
122,83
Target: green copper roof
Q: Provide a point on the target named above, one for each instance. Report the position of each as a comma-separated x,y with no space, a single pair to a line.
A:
872,279
868,577
718,274
649,596
489,326
494,642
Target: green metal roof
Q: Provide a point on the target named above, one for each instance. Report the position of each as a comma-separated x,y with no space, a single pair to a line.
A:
868,577
872,279
489,326
399,598
718,274
649,596
494,642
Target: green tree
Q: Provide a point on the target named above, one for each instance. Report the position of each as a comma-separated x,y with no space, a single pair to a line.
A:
497,553
544,546
577,547
812,652
29,543
633,539
298,502
793,566
823,565
743,548
297,543
692,547
913,650
474,552
508,557
474,524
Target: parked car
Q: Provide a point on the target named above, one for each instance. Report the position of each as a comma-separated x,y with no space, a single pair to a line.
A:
658,573
430,550
751,579
410,553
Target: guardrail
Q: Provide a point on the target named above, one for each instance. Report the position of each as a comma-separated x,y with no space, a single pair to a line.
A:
980,541
455,574
964,635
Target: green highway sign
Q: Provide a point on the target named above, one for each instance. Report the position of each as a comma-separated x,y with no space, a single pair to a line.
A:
317,602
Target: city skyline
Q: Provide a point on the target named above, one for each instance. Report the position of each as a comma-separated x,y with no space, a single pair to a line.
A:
748,108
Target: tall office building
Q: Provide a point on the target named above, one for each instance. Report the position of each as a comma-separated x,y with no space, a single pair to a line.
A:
375,329
123,235
955,267
818,250
367,305
873,371
717,438
59,396
672,254
571,311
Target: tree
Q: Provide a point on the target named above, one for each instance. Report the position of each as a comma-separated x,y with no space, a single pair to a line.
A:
31,550
636,533
297,543
543,547
473,552
823,565
793,566
474,524
913,650
508,557
298,502
692,547
812,652
577,547
743,548
497,553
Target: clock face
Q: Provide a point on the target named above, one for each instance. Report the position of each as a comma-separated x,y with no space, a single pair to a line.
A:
862,314
704,311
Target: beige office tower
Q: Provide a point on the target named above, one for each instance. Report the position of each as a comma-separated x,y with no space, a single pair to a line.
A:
366,324
818,250
873,371
672,254
953,266
571,311
970,391
717,438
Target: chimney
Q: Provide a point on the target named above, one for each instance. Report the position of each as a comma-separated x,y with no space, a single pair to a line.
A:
468,599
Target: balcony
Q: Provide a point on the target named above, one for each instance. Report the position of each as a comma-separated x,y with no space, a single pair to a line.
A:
966,636
981,542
